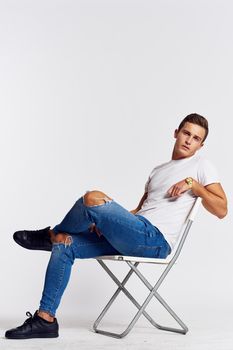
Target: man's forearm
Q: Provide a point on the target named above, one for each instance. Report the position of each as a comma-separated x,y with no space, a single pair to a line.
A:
214,203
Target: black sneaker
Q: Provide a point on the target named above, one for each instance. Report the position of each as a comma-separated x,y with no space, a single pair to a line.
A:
34,327
35,240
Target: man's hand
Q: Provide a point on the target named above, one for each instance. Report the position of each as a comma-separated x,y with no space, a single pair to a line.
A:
134,211
179,188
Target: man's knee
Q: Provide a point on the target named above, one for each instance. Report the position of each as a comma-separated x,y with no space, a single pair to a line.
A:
95,198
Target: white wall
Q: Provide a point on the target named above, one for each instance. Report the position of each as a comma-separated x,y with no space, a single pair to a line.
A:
91,92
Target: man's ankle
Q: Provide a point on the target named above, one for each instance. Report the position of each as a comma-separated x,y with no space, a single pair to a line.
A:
46,316
52,236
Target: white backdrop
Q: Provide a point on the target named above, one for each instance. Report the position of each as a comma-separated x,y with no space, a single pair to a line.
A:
91,92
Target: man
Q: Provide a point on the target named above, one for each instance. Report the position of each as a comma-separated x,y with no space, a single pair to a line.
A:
96,225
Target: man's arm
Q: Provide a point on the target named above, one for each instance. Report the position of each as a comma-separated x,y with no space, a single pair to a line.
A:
134,211
213,196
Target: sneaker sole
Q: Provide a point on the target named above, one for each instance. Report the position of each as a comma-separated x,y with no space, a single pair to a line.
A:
50,335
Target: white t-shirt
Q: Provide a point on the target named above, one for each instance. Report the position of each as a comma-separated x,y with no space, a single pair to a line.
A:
167,213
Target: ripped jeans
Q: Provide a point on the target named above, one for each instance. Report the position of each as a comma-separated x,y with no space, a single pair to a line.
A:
122,233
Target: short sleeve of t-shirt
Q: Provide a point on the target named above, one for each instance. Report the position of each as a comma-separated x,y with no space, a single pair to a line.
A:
207,173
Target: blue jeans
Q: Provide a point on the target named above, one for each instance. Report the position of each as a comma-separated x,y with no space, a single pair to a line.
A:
122,233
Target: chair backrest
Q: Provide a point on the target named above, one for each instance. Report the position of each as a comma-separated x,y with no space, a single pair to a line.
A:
194,209
186,228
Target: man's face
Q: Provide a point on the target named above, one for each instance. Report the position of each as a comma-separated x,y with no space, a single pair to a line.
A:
188,140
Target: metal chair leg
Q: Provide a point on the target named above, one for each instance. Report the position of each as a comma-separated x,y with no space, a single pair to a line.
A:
141,309
128,294
184,328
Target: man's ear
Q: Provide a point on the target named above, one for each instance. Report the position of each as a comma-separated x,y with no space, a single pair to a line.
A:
201,145
175,133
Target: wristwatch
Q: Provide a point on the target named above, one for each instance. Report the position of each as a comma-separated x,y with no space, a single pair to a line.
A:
189,181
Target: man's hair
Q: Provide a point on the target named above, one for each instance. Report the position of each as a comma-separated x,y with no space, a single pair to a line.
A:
195,118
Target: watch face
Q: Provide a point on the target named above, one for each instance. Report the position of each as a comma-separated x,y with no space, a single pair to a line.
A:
189,181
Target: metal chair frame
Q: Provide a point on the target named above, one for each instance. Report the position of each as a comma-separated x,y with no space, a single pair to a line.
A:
133,263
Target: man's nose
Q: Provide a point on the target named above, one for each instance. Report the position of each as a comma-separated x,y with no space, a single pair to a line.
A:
188,140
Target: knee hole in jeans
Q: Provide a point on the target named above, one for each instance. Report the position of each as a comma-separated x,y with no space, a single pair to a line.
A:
62,238
91,199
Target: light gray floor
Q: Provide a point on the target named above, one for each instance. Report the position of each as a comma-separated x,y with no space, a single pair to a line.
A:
205,334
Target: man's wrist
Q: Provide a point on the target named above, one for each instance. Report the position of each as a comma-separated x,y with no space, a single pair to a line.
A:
189,181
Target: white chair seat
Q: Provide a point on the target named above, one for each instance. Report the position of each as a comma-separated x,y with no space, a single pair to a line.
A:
135,259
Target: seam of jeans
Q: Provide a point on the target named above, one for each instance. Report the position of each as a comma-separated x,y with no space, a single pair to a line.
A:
150,247
89,244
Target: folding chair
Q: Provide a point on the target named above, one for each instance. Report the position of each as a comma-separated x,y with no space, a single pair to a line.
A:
133,263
